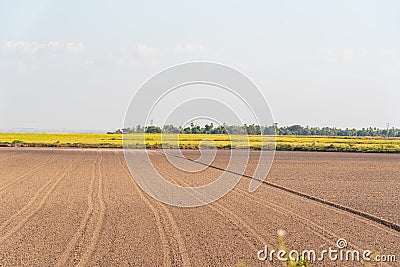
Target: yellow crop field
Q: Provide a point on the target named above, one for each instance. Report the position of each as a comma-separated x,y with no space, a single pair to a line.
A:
192,141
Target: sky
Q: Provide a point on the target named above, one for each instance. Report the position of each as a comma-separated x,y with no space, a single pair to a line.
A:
77,64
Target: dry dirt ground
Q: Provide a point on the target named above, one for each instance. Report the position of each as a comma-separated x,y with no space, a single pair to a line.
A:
73,207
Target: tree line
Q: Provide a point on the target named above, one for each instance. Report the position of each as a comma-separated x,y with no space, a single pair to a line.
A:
254,129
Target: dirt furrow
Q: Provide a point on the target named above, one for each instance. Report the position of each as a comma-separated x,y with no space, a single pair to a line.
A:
86,209
14,180
161,231
84,223
30,209
317,227
233,218
185,260
317,200
83,244
99,223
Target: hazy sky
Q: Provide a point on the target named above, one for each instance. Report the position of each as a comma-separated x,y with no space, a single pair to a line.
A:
74,65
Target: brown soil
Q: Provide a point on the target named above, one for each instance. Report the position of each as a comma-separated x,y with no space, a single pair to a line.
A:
69,207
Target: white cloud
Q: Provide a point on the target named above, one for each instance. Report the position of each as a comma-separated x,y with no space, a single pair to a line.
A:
351,53
348,52
145,50
34,47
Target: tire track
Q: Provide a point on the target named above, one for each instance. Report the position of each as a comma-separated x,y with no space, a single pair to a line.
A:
368,218
99,223
177,234
223,211
181,243
348,210
359,218
283,211
318,229
322,232
21,176
84,223
315,228
41,196
161,228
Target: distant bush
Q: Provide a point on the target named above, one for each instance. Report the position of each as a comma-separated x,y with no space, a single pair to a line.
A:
254,129
153,129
